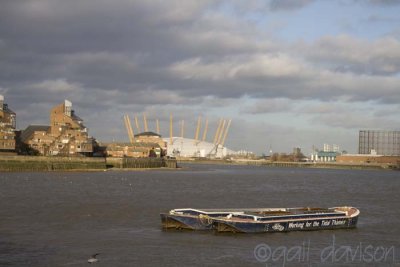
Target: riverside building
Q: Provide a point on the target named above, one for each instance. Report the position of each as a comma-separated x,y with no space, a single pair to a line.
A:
66,135
7,128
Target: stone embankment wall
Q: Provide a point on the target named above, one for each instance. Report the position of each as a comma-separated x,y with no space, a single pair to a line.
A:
32,163
141,163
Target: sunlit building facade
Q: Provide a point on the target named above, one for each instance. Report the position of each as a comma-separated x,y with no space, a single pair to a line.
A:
7,127
66,135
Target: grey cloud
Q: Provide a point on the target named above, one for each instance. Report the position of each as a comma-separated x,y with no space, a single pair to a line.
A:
378,18
354,121
274,105
351,116
289,4
387,113
325,108
384,2
60,27
121,45
282,76
345,53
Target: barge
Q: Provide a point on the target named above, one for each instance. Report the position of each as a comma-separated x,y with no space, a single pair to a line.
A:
261,220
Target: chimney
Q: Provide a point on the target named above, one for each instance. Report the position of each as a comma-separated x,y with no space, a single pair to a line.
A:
1,102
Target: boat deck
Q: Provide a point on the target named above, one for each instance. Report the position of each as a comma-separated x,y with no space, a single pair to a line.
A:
262,214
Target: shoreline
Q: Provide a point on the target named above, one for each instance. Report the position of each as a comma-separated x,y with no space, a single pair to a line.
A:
317,165
82,164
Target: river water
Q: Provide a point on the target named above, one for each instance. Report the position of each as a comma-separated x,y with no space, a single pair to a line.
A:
60,219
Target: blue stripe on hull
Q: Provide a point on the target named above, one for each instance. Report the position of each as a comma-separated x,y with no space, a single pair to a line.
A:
262,227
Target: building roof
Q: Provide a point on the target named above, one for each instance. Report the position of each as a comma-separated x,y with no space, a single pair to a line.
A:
361,155
31,129
187,147
75,117
7,109
114,146
147,134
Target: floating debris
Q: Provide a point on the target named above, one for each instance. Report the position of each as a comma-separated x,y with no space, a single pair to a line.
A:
93,258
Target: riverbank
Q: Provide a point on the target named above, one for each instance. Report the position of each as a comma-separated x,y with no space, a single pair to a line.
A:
34,163
266,163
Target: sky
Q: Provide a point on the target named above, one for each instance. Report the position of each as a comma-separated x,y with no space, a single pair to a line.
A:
289,73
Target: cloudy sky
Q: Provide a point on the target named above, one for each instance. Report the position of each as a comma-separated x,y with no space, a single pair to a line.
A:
289,73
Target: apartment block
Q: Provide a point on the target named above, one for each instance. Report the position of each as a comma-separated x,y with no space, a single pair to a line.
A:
66,135
7,127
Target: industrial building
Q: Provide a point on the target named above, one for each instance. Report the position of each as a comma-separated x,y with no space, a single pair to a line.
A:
386,143
7,128
369,159
66,135
375,147
328,154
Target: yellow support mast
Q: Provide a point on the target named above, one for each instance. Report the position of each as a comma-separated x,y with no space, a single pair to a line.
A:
170,129
182,128
217,132
226,133
146,129
205,131
196,137
221,132
129,129
137,124
158,126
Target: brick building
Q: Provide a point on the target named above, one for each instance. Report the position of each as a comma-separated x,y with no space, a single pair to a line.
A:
136,150
66,135
7,128
147,144
373,159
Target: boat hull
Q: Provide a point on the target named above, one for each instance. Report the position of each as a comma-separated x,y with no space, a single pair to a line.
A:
170,221
298,225
261,220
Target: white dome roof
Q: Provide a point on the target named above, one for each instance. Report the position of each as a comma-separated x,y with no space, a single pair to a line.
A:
186,147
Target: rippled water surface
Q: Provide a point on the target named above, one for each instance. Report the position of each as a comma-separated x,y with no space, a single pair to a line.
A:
60,219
